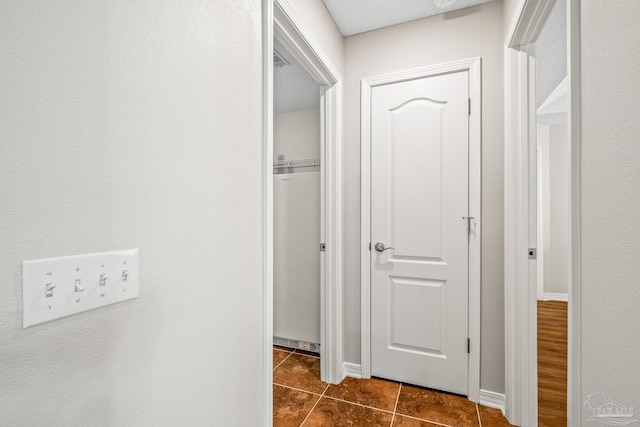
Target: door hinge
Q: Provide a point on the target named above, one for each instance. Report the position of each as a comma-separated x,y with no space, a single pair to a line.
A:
323,247
533,253
369,246
468,345
469,106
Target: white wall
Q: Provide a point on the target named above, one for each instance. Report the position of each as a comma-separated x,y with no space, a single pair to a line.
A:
554,141
559,202
467,33
134,125
296,135
296,259
296,206
543,196
610,202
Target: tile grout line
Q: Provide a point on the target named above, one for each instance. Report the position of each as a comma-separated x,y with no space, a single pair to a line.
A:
423,420
478,413
384,410
358,404
409,416
363,406
297,389
305,354
314,406
396,405
283,360
323,394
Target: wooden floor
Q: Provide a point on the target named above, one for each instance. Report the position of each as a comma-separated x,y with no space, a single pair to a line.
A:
552,363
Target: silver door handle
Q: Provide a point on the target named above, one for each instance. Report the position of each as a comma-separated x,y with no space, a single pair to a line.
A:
380,247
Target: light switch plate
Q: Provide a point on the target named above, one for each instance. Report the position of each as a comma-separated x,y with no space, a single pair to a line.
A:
53,288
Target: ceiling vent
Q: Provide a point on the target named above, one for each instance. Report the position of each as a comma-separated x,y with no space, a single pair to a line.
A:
278,59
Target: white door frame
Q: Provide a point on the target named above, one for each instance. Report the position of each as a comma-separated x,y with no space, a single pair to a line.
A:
291,32
521,401
473,66
281,21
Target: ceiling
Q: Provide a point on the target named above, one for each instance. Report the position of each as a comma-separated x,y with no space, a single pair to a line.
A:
358,16
293,88
551,53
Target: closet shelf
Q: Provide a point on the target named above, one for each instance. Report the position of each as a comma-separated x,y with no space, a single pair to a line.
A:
297,165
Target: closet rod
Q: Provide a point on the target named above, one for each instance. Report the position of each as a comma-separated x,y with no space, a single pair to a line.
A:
280,165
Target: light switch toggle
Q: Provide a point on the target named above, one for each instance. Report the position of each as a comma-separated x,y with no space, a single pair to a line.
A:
49,287
53,288
125,273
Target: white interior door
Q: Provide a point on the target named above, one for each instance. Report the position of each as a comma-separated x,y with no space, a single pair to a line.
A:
419,196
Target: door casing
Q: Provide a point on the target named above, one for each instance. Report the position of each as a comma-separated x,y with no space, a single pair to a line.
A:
291,32
473,66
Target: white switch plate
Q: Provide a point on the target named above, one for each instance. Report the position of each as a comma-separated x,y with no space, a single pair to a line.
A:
59,287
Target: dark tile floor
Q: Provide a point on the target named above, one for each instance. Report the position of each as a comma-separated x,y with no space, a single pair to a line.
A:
301,399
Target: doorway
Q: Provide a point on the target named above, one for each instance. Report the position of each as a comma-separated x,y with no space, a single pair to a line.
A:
387,337
283,25
553,212
522,222
296,205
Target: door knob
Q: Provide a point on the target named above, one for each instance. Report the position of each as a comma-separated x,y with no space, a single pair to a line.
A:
380,247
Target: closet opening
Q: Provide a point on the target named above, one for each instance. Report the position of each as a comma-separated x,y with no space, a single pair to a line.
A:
297,236
542,215
302,199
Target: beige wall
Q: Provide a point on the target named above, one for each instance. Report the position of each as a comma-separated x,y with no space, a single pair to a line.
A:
559,201
296,135
544,211
129,124
319,23
510,12
468,33
610,154
556,193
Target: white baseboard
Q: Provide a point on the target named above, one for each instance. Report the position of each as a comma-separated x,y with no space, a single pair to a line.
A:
351,370
492,399
554,296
